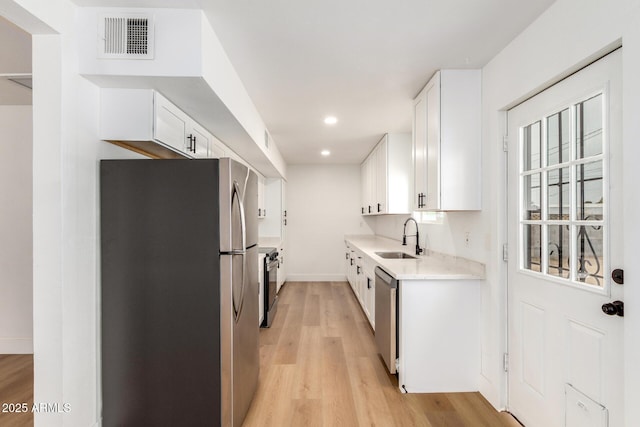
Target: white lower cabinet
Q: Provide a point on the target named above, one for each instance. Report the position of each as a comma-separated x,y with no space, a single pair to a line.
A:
369,290
360,279
359,271
439,335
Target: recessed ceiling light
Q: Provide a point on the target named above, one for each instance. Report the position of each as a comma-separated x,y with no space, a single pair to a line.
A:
330,120
325,152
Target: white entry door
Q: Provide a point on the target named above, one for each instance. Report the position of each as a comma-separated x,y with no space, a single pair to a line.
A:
565,239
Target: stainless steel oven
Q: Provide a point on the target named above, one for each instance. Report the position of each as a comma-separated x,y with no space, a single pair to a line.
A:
270,290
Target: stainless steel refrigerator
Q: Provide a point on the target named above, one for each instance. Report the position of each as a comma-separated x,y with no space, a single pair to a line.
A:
179,292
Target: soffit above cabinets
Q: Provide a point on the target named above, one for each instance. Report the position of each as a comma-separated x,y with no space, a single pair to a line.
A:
189,68
362,61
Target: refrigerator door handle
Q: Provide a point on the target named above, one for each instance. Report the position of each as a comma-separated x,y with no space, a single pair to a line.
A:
238,310
236,193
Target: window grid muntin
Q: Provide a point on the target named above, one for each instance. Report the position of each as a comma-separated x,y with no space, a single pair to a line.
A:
573,223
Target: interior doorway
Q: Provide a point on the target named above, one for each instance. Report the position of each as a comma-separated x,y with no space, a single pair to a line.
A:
16,225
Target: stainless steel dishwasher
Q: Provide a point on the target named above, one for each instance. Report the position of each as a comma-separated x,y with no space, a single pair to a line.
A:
386,318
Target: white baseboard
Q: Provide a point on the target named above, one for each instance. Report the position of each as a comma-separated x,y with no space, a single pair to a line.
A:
316,278
16,346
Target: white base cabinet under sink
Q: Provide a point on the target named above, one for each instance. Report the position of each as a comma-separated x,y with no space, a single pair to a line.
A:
439,336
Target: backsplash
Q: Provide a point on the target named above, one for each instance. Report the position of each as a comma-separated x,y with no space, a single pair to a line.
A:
447,236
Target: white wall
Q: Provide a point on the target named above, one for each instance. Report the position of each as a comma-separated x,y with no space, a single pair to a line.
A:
567,36
65,216
323,204
16,237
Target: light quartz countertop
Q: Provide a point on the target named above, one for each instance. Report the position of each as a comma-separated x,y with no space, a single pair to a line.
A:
430,266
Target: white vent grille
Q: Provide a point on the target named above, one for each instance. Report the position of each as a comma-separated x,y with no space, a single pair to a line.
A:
129,37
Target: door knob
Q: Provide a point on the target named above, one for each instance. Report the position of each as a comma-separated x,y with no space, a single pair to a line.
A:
614,308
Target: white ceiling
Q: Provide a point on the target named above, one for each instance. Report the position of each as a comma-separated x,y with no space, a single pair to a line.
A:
360,60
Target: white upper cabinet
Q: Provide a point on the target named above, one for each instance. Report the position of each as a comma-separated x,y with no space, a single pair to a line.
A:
447,142
198,141
386,177
262,211
145,121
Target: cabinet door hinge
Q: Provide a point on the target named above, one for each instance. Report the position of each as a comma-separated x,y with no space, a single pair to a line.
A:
505,252
505,362
505,143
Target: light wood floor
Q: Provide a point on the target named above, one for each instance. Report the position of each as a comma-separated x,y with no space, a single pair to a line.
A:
319,367
16,386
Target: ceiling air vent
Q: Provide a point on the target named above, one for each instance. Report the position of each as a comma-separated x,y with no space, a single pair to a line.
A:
126,36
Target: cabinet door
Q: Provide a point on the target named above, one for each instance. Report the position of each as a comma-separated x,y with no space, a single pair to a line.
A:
370,301
433,144
170,123
262,212
359,281
372,182
364,182
380,172
420,150
198,140
217,149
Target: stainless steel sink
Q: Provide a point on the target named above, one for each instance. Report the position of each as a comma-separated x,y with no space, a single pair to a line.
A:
394,255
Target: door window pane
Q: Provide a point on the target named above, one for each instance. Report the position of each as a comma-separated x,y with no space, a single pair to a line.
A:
532,204
558,197
559,251
558,136
589,249
563,186
589,127
532,247
532,146
589,191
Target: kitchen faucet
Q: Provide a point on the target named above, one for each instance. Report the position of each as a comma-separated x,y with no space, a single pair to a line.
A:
419,250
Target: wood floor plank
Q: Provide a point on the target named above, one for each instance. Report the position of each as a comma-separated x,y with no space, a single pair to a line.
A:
307,413
337,396
272,405
16,387
309,373
371,405
287,348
